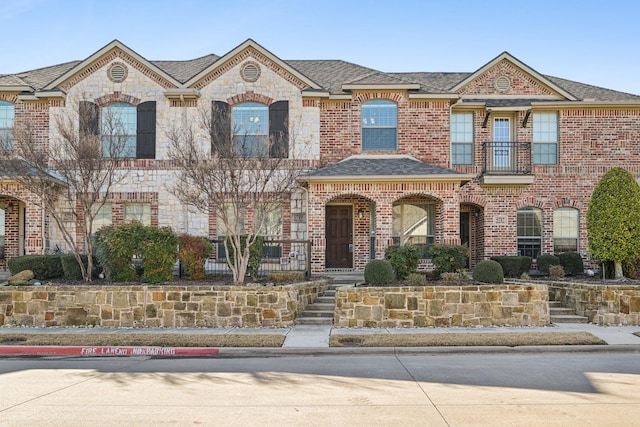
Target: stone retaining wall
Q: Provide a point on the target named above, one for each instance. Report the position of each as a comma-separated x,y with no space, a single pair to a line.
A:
156,305
476,305
605,304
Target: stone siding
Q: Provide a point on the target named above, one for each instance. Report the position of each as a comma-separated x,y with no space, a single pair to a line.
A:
156,306
421,306
602,304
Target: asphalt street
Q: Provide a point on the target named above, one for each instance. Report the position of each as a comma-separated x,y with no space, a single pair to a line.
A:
548,389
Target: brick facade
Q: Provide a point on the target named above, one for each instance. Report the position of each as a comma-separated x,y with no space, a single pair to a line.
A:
593,136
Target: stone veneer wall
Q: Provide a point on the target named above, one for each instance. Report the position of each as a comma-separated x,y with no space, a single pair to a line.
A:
602,304
420,306
156,305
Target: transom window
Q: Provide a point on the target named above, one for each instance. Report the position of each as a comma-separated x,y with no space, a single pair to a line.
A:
462,139
379,125
7,115
119,130
565,230
250,127
140,212
414,224
529,232
545,138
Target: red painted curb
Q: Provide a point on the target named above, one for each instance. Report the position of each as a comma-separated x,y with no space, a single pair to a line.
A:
106,351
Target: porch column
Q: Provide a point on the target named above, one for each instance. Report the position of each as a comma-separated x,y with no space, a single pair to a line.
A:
384,224
449,222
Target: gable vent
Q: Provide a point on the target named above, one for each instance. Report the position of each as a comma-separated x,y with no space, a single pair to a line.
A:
117,72
503,83
250,72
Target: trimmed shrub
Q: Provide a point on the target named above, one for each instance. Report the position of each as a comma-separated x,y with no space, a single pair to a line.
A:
193,253
403,259
378,272
159,252
488,271
556,272
416,279
513,266
43,266
285,276
546,261
448,258
572,263
71,268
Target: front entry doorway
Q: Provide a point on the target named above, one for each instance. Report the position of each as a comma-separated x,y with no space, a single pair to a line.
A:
339,235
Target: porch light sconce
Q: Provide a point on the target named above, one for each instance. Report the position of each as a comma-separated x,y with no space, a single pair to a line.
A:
360,213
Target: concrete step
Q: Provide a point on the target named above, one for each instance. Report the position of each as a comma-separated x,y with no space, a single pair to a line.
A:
561,311
323,306
555,304
316,313
329,293
569,318
314,321
325,300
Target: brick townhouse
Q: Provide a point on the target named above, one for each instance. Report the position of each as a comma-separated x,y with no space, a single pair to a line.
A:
502,159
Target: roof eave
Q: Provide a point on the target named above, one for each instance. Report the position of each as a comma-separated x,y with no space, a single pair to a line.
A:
381,86
587,103
15,88
389,178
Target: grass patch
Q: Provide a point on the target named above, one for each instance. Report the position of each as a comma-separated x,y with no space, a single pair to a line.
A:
144,339
510,339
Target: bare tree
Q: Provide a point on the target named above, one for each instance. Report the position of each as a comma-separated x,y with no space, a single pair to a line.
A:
233,169
74,174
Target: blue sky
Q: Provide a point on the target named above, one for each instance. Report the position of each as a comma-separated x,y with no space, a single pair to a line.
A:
594,42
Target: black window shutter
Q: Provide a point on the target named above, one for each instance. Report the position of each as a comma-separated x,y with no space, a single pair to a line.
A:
146,137
279,129
220,127
89,119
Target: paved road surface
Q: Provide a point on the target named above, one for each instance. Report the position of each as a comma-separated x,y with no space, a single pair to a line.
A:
426,390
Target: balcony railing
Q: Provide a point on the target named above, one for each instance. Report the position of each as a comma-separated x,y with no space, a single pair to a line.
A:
506,158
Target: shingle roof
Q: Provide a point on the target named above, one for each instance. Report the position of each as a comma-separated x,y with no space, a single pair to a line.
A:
377,166
329,74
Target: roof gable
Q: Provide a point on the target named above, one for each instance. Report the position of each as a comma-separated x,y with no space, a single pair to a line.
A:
108,53
523,81
251,49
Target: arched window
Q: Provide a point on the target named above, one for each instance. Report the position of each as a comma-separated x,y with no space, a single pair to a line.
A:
529,232
565,230
119,124
379,125
414,224
250,127
7,114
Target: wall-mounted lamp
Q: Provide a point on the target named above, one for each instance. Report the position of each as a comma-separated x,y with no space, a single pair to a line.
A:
360,213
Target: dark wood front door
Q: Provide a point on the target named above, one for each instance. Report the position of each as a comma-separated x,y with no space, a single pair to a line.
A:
465,231
339,235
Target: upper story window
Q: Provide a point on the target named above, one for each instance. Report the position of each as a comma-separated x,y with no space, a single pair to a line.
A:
462,138
119,125
529,232
124,130
379,125
565,230
7,114
251,128
545,138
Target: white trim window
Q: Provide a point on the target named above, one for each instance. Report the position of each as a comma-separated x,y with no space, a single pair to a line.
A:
529,232
565,230
462,138
7,115
545,138
379,125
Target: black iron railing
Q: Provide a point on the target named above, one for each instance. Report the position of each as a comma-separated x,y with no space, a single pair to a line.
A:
506,158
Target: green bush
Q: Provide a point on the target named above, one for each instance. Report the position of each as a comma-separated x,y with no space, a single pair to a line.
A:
416,279
513,266
378,272
193,253
43,266
448,258
118,245
71,268
488,271
403,259
572,263
546,261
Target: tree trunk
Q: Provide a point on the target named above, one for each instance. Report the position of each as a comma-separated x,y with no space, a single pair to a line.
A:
619,273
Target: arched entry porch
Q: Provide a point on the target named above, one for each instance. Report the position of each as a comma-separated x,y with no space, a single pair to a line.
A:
12,229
